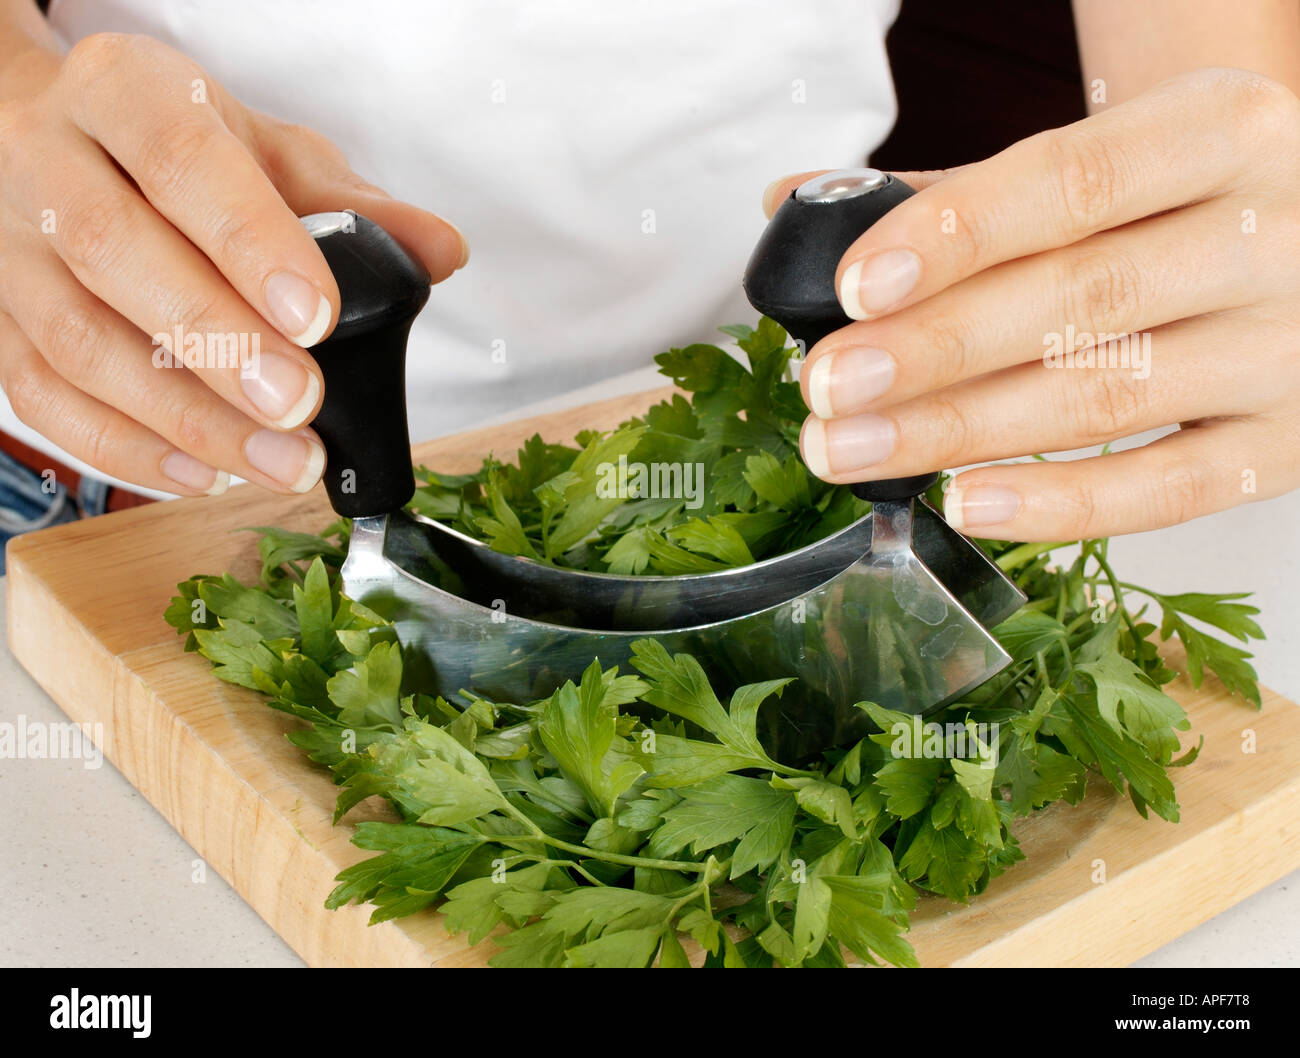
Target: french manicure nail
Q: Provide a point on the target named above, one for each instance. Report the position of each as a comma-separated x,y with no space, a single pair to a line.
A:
841,446
978,505
769,205
282,389
292,459
195,474
869,287
845,380
464,245
298,308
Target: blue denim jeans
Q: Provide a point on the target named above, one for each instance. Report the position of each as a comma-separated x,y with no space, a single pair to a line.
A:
28,501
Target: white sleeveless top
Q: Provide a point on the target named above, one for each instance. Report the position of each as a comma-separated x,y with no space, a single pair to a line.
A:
604,158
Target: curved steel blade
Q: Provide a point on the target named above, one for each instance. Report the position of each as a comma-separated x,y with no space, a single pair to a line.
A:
883,629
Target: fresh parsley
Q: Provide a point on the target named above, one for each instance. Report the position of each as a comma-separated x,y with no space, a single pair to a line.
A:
618,503
605,823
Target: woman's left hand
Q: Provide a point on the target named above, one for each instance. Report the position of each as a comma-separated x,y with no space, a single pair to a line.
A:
1158,239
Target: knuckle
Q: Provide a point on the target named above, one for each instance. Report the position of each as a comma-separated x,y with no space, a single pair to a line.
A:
283,146
356,182
97,49
100,447
947,343
232,235
96,229
306,135
92,57
191,424
29,397
1102,291
1076,504
1181,491
327,153
304,140
171,154
1104,405
195,311
976,240
1261,105
957,435
71,337
1090,175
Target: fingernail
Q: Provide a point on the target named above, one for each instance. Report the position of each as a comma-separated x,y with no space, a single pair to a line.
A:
848,379
769,203
282,389
195,474
464,245
292,459
298,308
845,445
883,280
967,508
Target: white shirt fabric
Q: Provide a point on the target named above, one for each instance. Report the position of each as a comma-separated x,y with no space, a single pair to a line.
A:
604,158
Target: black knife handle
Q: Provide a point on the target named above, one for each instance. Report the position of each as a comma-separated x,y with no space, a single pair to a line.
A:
791,274
362,421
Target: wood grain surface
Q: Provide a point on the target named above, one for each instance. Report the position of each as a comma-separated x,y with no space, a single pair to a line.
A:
1100,885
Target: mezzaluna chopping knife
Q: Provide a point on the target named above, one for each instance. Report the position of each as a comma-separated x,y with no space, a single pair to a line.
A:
891,609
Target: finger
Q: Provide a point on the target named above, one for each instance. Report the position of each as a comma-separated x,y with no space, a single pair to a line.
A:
198,175
1063,185
97,351
130,258
314,177
92,431
783,187
1173,374
1203,468
1137,277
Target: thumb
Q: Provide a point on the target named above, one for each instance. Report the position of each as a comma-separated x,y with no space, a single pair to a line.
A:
313,176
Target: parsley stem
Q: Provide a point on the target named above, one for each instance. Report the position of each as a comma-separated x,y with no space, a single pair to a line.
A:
536,833
781,769
1083,619
1040,664
1118,592
1018,556
612,857
571,864
575,865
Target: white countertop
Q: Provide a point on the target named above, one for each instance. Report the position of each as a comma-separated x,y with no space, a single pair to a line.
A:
91,875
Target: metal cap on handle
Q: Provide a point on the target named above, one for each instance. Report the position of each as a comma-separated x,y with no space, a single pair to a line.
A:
362,421
840,184
791,274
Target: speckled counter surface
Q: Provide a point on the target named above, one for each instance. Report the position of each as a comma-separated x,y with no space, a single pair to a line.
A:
92,875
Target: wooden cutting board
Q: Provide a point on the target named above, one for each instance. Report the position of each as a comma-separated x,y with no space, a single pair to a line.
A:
1100,886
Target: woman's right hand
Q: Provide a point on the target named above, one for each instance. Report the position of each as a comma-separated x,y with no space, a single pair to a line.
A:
138,197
